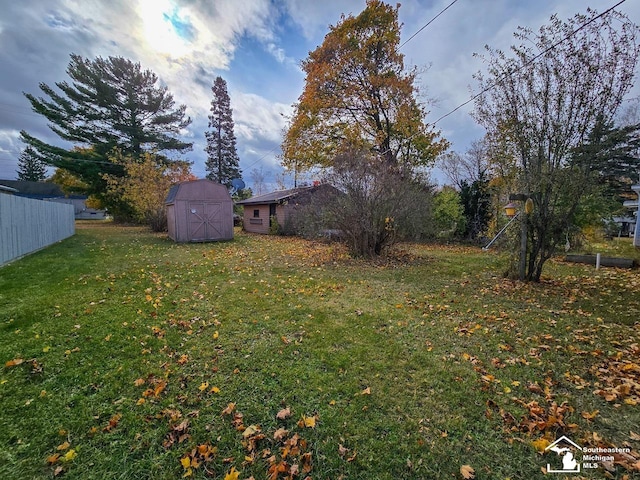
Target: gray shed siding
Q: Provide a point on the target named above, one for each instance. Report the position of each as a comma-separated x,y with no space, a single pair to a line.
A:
199,211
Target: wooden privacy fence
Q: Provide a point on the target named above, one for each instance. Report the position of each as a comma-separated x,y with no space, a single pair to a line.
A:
27,225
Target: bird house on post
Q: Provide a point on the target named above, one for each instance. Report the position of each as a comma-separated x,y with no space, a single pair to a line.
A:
510,209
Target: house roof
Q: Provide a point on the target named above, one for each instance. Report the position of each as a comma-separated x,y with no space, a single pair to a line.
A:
274,197
39,189
5,189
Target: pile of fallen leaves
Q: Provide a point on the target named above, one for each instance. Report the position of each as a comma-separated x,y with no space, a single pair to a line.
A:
619,376
285,454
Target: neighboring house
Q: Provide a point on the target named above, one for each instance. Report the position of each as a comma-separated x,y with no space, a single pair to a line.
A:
635,205
624,226
53,193
287,207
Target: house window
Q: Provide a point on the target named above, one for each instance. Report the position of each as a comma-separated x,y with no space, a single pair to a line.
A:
256,213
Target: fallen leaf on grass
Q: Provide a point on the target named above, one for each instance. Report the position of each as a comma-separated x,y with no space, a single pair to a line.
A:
307,422
280,433
14,362
63,446
283,414
251,430
70,455
467,472
232,475
541,444
113,423
229,410
590,415
342,450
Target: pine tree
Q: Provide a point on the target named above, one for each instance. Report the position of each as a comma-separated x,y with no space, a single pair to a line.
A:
109,103
222,157
30,167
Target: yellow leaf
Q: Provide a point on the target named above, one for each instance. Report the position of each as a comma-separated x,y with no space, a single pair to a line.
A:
540,444
308,422
232,475
186,462
216,335
203,386
214,390
63,446
251,430
70,455
140,401
467,472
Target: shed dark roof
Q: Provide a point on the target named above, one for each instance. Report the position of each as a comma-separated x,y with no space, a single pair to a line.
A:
201,188
171,196
275,197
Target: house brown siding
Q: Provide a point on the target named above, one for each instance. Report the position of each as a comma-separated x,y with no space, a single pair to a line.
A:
258,224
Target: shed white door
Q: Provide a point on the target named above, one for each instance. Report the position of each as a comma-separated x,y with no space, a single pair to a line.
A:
205,221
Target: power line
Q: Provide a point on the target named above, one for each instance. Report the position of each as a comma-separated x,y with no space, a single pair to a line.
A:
426,25
529,62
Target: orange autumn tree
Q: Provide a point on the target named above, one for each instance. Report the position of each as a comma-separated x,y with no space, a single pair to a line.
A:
146,185
358,95
359,120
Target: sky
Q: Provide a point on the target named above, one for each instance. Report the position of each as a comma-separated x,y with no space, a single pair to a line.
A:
257,47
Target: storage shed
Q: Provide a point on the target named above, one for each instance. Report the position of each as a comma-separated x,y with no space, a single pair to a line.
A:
199,211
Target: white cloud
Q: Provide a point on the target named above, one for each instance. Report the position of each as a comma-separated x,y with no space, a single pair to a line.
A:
258,118
314,17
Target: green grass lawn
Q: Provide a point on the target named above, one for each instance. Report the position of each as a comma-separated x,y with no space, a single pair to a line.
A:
125,355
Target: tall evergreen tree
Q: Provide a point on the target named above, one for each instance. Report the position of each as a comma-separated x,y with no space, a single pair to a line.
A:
222,157
110,103
30,167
